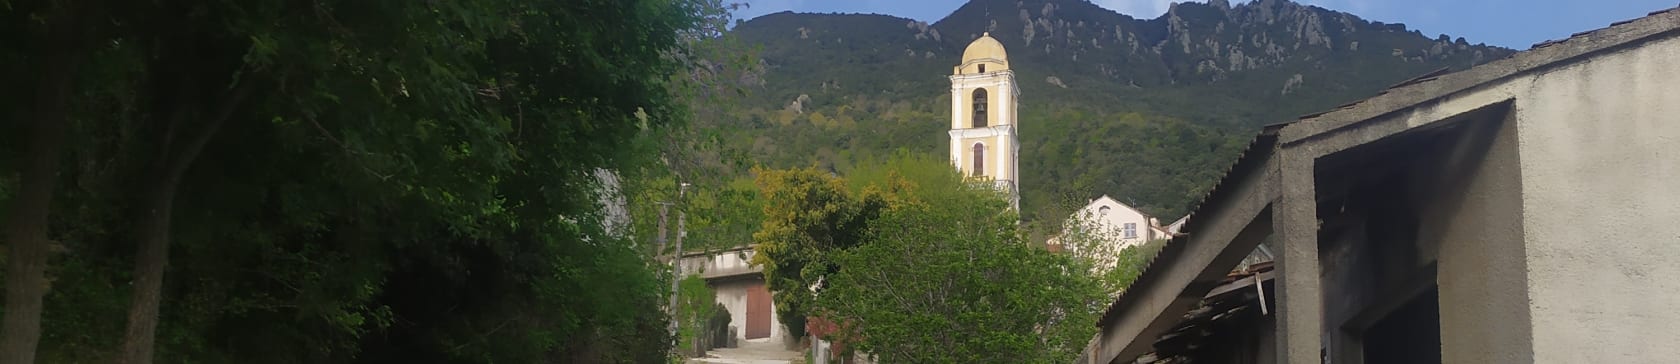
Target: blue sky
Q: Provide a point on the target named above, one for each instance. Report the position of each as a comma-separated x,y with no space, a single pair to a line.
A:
1509,23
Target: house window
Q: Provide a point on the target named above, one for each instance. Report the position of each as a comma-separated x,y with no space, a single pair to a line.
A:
1102,211
1130,230
979,159
979,116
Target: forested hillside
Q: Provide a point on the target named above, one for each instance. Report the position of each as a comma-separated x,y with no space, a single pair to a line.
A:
1146,110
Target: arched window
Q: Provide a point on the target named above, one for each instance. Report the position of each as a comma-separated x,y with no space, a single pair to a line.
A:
979,116
979,159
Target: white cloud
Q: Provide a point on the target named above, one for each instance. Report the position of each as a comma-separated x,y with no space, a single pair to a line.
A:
771,6
1142,9
1149,9
1356,7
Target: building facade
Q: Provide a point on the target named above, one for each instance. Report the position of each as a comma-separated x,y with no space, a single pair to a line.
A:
1520,211
740,288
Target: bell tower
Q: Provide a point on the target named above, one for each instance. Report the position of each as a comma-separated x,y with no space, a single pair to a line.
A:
983,94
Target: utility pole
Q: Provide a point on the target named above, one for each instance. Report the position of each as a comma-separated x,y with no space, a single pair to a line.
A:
676,256
664,208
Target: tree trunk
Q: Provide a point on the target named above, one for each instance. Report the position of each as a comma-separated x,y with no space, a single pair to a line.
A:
149,263
27,219
152,257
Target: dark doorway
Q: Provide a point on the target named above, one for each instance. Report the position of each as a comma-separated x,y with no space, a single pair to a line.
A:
1409,335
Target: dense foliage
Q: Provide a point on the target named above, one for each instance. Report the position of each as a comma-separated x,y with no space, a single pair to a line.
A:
917,264
808,214
952,281
322,182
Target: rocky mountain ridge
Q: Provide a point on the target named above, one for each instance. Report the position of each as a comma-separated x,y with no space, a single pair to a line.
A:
1144,109
1072,44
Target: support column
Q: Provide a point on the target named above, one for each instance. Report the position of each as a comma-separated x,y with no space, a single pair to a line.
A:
1005,159
1006,102
956,123
957,105
1300,300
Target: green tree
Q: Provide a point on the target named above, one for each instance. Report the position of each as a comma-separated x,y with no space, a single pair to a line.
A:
1085,239
808,214
950,280
48,40
919,264
695,306
383,181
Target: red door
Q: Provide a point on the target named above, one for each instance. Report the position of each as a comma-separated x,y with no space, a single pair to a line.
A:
758,312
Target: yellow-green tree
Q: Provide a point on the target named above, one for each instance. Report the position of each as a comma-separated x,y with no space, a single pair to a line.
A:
808,214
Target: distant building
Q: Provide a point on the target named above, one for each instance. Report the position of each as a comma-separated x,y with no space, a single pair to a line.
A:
983,109
1176,226
1522,211
740,287
1121,224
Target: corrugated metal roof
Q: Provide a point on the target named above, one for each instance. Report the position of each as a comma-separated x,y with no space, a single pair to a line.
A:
1249,161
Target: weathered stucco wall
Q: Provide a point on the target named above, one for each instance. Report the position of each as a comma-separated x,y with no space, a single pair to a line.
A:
1475,226
1600,147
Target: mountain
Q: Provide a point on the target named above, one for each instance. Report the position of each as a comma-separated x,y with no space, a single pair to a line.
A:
1146,110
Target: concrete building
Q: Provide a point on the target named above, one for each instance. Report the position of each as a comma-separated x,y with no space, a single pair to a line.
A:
1520,211
983,100
740,287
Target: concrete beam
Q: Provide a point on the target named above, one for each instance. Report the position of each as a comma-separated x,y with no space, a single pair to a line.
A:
732,273
1152,307
1300,301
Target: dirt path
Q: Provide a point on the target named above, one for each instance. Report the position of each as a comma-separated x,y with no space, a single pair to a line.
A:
750,353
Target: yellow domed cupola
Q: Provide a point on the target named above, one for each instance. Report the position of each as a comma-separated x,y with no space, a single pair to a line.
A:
984,55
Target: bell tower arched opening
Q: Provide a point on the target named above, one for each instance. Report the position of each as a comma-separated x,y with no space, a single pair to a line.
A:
978,117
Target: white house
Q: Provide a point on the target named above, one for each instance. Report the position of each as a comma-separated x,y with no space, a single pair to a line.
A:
1130,226
1122,226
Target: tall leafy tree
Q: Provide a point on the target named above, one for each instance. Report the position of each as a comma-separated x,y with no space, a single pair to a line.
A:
329,182
50,39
